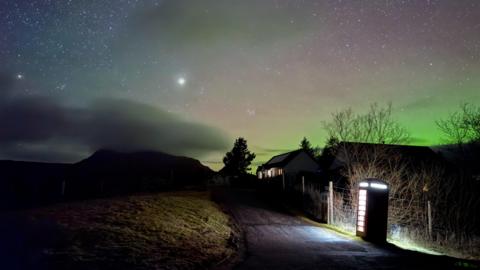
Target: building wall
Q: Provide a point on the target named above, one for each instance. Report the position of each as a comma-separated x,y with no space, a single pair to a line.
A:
272,172
302,162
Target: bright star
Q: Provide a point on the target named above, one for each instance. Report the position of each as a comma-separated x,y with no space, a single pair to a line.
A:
181,81
19,76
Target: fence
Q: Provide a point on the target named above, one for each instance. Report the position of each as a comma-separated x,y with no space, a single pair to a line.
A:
312,197
324,202
404,215
440,216
411,219
344,208
408,218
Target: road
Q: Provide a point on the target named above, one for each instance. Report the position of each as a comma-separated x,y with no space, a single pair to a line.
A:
276,239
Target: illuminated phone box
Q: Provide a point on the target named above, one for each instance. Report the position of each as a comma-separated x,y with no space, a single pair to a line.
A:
372,210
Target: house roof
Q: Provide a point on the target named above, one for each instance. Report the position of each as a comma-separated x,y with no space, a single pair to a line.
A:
281,160
414,154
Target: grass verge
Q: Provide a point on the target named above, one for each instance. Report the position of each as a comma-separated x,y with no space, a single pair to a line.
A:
182,230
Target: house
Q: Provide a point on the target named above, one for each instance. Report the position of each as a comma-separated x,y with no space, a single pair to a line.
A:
370,155
346,152
288,165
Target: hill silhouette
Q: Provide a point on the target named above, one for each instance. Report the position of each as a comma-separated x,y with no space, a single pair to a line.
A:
104,173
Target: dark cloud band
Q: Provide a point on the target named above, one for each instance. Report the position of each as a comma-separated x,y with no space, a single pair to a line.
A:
43,127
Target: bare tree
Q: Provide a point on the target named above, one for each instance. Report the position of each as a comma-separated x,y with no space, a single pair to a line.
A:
375,126
412,182
462,126
383,162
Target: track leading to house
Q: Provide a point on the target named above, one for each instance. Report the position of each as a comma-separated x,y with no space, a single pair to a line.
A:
276,239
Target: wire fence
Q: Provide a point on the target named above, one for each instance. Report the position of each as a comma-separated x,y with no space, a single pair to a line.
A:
409,220
344,209
313,197
402,213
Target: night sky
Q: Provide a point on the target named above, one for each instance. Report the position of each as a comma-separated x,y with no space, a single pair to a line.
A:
188,77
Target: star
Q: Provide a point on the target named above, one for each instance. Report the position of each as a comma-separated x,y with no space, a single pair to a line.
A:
251,112
181,81
296,62
61,86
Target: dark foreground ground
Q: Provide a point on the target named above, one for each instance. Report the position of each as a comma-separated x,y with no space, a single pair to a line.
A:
169,230
276,239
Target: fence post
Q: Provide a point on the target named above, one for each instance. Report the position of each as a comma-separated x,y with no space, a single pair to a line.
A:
330,203
63,188
429,213
303,184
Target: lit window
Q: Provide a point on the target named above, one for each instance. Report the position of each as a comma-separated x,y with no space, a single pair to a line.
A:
363,184
378,186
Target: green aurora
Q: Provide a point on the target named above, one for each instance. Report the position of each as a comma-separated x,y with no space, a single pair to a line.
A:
269,71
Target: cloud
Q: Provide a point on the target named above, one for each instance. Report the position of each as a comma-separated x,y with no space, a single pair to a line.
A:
41,128
143,126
